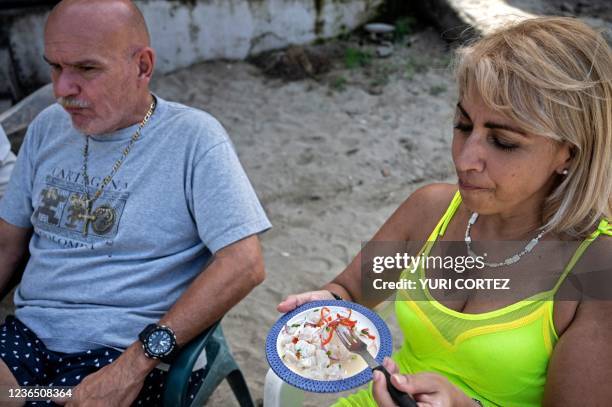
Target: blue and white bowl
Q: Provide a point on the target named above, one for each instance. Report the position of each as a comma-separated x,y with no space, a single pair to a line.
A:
365,318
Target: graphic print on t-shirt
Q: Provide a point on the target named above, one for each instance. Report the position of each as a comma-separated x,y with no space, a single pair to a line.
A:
60,210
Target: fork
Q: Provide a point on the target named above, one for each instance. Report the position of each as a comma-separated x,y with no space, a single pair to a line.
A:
354,344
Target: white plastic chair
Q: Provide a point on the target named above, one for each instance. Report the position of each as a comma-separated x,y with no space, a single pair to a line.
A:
277,393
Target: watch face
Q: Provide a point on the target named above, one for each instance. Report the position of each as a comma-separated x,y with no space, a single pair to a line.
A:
159,342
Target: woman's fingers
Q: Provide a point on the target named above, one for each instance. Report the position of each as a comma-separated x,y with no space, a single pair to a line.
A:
429,399
379,385
295,300
379,390
420,383
390,365
288,304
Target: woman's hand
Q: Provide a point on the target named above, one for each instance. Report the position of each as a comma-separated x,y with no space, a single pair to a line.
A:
428,389
295,300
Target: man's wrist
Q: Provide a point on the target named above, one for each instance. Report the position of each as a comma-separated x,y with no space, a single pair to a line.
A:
336,289
137,361
336,296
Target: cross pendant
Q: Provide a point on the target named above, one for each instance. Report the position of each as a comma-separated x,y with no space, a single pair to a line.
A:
87,217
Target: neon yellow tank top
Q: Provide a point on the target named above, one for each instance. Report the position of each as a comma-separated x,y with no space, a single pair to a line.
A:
499,357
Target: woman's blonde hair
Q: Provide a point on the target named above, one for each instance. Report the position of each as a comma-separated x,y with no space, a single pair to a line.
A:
553,77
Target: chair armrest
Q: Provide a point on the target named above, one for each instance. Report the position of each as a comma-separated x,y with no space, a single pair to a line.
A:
177,382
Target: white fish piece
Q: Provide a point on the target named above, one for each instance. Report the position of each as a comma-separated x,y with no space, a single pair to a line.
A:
291,357
307,363
334,371
322,359
313,317
291,329
285,339
306,349
289,347
337,349
309,334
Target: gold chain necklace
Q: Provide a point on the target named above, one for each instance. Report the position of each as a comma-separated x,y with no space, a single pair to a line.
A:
103,217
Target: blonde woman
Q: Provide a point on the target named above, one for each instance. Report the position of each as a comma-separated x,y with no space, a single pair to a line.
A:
532,148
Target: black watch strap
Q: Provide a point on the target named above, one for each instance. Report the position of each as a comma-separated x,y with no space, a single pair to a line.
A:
171,357
146,332
336,296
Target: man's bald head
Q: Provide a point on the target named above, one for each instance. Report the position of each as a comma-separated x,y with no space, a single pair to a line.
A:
120,20
101,62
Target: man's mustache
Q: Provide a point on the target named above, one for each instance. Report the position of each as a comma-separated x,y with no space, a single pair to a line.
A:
72,102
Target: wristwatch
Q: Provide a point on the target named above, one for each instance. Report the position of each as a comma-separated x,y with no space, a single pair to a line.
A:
336,296
159,342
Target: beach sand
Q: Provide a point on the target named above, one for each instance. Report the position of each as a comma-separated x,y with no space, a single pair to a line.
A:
330,159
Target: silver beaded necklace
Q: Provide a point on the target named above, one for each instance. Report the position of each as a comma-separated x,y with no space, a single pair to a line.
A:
510,260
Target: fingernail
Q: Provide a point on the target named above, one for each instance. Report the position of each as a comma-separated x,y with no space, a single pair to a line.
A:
400,379
376,375
386,362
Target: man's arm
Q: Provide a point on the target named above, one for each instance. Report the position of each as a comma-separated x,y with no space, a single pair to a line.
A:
13,249
234,272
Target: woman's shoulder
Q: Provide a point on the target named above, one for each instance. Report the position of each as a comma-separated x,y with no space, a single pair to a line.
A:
597,260
422,210
440,193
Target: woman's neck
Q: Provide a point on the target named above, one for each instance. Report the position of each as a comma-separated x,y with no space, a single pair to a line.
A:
516,223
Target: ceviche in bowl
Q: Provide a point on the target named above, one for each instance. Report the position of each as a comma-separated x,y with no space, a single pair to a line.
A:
309,346
303,348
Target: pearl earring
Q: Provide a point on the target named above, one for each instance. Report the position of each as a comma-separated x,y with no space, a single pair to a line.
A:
565,171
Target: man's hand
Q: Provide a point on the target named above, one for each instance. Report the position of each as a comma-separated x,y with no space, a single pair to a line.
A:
428,389
114,385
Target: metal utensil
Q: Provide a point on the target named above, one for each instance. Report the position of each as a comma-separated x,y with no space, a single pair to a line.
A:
354,344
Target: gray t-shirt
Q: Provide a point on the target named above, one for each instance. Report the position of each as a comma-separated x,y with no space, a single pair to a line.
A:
180,196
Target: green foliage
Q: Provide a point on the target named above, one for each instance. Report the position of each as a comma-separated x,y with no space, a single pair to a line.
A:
403,27
437,89
356,58
338,83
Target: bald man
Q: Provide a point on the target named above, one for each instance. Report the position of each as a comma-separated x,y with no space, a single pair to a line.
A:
124,200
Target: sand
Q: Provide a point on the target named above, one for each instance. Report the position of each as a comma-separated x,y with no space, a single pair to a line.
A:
330,158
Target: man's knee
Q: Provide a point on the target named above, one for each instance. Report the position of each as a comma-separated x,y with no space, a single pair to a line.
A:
7,381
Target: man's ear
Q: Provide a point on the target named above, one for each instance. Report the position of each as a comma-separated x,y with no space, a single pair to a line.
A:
146,63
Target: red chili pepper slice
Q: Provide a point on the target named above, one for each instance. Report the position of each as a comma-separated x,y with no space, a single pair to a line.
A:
329,338
366,332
